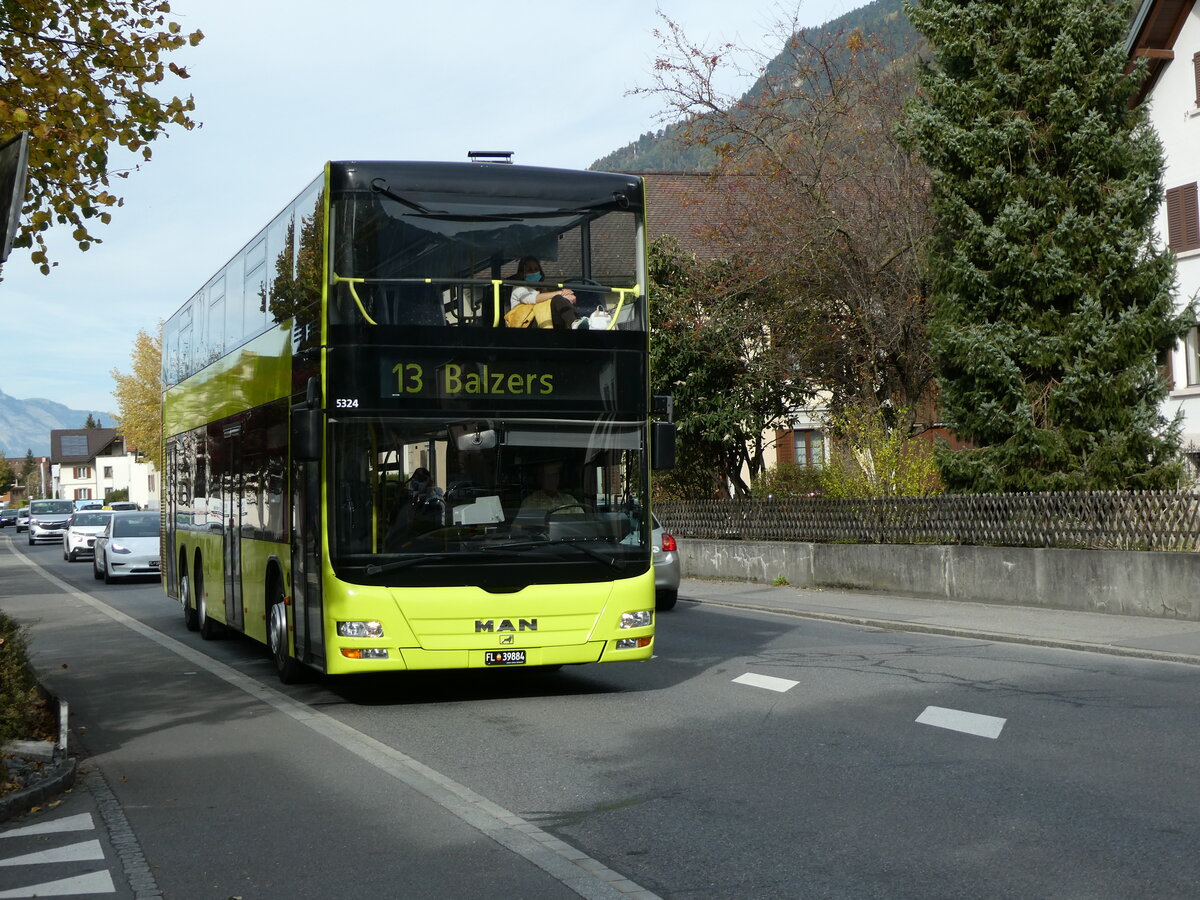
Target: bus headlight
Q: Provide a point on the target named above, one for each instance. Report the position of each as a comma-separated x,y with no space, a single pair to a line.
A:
364,653
639,619
633,643
360,629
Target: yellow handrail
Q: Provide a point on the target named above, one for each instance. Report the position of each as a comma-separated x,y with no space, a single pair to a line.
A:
621,292
338,279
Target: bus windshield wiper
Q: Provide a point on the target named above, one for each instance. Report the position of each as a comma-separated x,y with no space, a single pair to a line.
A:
379,568
575,543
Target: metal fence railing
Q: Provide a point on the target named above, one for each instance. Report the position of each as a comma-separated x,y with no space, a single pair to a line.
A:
1110,520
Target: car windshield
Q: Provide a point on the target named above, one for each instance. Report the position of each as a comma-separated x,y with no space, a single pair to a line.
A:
90,518
51,508
144,525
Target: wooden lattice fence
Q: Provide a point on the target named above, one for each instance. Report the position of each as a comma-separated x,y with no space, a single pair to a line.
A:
1139,520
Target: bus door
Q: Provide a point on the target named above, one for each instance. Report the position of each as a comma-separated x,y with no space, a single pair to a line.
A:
233,495
307,618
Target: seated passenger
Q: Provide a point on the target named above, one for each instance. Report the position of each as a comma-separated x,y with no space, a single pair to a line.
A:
561,307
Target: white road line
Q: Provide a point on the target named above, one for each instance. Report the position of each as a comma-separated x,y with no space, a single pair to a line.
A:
95,883
81,822
769,682
84,850
957,720
587,877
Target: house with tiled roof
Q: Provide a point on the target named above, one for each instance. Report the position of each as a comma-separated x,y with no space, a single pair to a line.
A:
688,206
1167,34
92,463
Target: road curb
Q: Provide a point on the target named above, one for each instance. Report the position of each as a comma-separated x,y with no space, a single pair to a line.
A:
52,781
60,779
971,633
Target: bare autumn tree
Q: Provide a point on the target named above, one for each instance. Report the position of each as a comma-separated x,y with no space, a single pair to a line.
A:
828,212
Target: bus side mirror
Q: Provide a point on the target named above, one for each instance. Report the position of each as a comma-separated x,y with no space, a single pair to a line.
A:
306,434
662,446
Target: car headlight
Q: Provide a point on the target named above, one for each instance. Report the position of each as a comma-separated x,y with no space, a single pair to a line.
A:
118,548
639,619
360,629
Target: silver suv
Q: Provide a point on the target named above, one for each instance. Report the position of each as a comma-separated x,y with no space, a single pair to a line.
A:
48,519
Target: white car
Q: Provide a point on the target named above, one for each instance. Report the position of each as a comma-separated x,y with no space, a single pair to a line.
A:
81,532
128,546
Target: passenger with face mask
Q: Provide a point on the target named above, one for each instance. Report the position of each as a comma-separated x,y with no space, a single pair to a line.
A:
562,303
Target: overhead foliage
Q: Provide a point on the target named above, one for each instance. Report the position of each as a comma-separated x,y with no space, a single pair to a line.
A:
139,398
1053,298
821,205
712,349
79,78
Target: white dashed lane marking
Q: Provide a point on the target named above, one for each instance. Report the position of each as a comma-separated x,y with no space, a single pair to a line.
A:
768,682
966,722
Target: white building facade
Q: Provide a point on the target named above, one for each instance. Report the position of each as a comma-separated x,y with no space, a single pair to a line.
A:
1167,34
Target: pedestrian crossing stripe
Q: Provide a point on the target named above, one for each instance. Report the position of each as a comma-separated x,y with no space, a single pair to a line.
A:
81,822
85,850
94,883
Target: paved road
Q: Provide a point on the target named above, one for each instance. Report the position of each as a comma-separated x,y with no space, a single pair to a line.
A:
759,755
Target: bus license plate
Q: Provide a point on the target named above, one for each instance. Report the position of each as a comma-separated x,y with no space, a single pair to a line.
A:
504,658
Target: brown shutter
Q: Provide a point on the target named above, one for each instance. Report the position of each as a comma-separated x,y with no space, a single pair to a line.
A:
1196,73
1183,218
1191,217
785,447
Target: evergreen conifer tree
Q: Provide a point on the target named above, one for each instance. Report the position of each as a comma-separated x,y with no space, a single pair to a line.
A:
1052,298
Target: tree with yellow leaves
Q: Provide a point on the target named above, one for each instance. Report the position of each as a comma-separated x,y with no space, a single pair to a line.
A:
139,398
77,77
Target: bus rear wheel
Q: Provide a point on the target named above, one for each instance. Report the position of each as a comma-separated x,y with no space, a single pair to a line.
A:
289,670
190,617
209,629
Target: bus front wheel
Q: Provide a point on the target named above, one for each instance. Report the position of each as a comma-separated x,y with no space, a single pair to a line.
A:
289,670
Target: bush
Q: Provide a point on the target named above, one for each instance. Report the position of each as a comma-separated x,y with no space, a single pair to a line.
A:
875,459
20,696
788,479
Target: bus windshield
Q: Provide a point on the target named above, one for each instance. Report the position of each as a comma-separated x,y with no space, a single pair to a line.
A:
452,262
436,501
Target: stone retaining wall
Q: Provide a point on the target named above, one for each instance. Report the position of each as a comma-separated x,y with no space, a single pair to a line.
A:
1166,585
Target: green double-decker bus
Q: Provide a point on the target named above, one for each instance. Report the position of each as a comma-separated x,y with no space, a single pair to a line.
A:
368,470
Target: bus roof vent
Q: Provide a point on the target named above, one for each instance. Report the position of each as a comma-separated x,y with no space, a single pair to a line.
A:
495,156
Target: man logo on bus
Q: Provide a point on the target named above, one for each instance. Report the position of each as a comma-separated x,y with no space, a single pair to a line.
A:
491,625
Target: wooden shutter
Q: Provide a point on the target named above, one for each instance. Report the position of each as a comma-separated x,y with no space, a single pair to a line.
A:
785,447
1183,218
1196,73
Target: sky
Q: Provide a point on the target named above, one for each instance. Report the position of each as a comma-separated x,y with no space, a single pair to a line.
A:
281,86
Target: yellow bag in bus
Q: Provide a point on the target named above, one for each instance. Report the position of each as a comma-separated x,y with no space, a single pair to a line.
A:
525,314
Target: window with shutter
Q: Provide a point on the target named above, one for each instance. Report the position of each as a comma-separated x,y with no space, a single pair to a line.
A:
1183,218
1196,73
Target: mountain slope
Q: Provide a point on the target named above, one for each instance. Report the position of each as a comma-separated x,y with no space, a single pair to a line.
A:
26,424
660,151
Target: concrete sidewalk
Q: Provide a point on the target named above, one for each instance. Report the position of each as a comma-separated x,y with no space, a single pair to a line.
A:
1169,640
